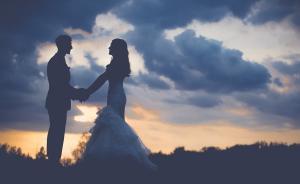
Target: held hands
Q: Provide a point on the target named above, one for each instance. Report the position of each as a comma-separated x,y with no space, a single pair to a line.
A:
82,94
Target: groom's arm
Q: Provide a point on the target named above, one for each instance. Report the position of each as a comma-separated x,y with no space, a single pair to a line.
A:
59,81
97,83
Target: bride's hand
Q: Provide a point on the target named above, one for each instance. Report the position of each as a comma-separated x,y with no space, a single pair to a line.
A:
83,95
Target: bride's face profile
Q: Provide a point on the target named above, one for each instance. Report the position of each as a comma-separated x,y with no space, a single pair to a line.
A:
118,47
110,49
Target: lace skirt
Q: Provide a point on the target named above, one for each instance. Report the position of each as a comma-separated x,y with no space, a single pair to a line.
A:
112,137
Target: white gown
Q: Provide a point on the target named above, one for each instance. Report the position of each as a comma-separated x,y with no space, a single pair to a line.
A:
112,137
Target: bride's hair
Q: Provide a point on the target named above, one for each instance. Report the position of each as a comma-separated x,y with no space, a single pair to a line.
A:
120,61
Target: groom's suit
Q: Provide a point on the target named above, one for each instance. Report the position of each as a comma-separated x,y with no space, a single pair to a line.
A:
58,102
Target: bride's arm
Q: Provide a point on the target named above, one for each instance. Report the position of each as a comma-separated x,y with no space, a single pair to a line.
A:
97,83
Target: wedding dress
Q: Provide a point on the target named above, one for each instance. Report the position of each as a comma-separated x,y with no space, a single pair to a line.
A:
111,137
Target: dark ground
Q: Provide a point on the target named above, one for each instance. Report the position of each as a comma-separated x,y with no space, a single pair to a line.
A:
259,163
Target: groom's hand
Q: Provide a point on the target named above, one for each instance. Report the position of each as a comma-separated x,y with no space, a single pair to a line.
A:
83,94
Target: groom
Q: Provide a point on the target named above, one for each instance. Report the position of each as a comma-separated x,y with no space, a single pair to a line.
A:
59,96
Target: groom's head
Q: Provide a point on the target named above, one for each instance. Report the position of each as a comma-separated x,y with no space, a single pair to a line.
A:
64,44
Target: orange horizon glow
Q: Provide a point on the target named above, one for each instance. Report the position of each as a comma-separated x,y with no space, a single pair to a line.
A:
31,141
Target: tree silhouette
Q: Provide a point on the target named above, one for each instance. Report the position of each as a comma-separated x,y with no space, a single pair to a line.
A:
41,155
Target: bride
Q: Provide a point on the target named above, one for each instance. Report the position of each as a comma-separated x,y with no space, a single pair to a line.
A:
112,137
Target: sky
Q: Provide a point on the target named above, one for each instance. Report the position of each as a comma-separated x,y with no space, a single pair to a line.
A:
204,72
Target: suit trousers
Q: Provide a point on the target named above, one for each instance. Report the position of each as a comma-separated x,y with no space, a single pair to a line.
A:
56,134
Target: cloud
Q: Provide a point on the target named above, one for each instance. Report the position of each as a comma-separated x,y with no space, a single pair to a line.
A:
110,24
89,113
254,40
138,112
153,81
278,82
161,13
166,58
288,69
285,105
194,63
21,92
204,101
197,98
221,68
275,10
280,104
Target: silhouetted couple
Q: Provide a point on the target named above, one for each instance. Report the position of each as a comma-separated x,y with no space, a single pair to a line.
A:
111,137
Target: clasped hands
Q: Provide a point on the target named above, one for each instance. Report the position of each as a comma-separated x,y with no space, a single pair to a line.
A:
82,94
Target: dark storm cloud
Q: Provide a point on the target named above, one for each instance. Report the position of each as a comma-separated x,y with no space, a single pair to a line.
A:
19,82
219,68
278,82
195,63
204,101
276,10
281,104
153,81
291,70
24,24
198,99
286,105
287,69
177,13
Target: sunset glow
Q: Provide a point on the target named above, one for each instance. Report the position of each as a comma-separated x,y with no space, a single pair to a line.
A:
31,142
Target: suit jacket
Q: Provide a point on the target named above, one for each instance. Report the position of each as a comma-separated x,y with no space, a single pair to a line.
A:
60,91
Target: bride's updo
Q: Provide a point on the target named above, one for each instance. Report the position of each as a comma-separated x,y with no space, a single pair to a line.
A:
119,65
